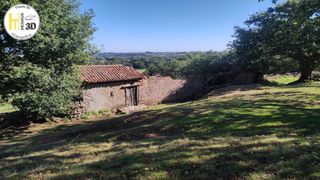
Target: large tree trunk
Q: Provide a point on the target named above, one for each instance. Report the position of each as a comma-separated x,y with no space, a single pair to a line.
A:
306,68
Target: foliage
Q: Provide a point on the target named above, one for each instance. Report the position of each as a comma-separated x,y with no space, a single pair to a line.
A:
206,67
288,31
251,54
167,67
136,60
139,61
45,94
195,65
61,42
202,66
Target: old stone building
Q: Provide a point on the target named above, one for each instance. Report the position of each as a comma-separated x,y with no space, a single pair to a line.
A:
115,86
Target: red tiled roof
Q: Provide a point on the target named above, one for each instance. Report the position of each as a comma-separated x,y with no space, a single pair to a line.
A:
108,73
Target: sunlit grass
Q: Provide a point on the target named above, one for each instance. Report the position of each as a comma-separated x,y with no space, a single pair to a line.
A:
6,107
141,70
284,79
250,132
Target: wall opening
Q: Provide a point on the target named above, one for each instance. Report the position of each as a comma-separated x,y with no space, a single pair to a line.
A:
131,96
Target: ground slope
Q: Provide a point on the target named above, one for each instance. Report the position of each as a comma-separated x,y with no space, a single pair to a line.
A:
239,132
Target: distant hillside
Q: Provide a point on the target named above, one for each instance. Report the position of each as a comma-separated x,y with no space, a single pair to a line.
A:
143,60
109,55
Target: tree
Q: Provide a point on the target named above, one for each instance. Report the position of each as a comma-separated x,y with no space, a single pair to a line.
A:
208,66
44,93
289,30
201,66
252,54
49,57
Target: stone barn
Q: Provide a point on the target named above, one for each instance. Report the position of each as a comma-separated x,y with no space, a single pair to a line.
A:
109,86
115,86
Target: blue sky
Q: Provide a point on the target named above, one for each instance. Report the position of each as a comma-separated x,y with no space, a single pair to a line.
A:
168,25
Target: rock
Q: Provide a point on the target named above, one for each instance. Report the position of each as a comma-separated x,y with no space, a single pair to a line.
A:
315,75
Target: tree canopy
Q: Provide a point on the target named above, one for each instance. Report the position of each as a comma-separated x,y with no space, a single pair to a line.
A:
288,33
34,69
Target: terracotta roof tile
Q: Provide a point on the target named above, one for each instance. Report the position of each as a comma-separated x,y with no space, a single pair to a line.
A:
108,73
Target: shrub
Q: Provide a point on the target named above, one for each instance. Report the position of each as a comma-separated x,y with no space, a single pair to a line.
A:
45,94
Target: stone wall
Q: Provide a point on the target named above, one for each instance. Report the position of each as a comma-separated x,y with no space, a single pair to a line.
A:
104,96
152,90
157,89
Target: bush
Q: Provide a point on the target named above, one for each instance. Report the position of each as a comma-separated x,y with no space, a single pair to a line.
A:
45,94
202,66
206,69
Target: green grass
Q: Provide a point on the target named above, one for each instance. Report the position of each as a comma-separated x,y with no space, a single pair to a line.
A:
6,107
141,70
250,132
284,79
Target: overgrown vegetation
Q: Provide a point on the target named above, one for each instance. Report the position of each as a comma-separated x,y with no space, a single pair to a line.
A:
39,73
250,132
45,94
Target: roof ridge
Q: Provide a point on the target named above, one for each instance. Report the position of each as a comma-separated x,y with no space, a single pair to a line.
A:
109,73
102,65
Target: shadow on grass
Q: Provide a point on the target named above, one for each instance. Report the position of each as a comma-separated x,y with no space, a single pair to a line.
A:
12,124
201,139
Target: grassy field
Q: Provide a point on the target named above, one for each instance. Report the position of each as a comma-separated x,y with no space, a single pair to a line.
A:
284,79
141,70
6,107
251,132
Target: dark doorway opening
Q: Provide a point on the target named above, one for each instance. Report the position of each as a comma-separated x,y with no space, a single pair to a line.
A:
132,95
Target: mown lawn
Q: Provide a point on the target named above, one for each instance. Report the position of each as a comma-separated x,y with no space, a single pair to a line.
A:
251,132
